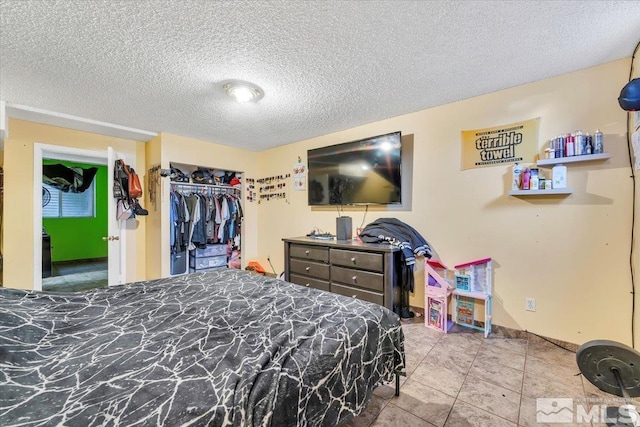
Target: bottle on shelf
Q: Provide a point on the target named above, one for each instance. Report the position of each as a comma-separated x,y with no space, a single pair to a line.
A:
588,144
598,142
559,176
561,152
517,171
526,179
534,180
570,151
578,143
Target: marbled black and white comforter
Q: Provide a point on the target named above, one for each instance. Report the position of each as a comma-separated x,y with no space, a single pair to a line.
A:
216,348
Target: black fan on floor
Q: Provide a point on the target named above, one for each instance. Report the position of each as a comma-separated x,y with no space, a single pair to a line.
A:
46,197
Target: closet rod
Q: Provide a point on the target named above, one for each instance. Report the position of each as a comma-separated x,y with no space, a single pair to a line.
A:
215,187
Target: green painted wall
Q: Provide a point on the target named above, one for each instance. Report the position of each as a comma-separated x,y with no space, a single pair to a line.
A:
80,238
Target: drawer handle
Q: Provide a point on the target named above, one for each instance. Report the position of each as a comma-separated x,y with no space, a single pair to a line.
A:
353,260
306,252
355,296
354,278
307,285
307,268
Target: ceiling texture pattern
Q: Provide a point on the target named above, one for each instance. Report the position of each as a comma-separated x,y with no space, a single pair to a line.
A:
324,66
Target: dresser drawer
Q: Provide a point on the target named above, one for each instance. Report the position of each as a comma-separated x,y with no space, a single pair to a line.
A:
359,278
357,259
309,252
309,268
298,279
358,293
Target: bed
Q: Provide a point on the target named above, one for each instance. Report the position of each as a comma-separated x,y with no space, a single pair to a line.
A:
218,348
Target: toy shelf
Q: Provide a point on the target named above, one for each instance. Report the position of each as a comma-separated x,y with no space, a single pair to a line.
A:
473,283
474,295
467,284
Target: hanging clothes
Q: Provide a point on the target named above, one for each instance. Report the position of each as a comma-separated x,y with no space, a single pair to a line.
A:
204,215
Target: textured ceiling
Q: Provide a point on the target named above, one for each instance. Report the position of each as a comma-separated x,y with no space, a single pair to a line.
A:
324,65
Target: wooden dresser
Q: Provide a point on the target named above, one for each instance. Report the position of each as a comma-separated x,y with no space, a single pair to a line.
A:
367,271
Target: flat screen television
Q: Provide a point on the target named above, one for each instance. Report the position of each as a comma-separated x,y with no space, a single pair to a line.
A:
367,171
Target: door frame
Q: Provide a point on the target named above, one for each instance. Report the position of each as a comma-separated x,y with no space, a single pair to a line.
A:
60,152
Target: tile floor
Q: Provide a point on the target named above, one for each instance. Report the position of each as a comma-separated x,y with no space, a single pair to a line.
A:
463,379
77,276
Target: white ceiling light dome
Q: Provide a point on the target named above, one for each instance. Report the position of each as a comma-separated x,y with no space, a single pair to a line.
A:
243,91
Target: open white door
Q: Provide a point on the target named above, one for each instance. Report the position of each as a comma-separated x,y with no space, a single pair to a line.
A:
115,238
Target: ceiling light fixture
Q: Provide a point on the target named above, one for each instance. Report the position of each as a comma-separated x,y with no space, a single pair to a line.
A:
243,91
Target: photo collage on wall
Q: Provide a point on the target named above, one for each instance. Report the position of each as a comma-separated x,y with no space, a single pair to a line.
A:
268,189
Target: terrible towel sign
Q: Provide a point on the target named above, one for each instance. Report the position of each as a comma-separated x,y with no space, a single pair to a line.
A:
517,142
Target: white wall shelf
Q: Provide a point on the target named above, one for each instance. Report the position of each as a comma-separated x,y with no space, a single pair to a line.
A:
552,192
573,159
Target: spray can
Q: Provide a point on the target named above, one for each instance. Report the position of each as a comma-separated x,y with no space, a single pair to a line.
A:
515,181
579,143
598,142
570,145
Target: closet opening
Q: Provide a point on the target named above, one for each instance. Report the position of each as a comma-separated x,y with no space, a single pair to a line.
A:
206,216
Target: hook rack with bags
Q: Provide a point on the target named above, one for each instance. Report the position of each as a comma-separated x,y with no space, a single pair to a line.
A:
126,190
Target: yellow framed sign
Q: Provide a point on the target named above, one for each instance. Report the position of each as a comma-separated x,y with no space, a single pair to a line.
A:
515,142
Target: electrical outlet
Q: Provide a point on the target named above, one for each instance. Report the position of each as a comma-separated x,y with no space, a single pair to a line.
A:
530,304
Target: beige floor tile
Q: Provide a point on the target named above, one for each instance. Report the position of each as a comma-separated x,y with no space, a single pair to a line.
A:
468,342
501,356
491,370
419,332
366,418
465,415
459,361
491,398
548,351
392,415
550,367
544,378
385,391
463,379
415,352
433,375
514,345
429,404
566,386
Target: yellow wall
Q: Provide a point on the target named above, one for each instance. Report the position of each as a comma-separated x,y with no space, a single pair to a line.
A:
570,253
154,219
17,247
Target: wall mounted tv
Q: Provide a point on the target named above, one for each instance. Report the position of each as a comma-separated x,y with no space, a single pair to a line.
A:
366,171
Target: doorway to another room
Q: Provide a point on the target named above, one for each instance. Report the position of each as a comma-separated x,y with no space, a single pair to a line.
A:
75,238
74,220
